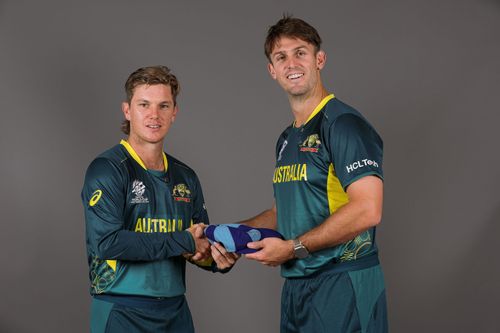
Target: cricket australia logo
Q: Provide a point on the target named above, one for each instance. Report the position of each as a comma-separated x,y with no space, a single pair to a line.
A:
311,144
181,193
138,188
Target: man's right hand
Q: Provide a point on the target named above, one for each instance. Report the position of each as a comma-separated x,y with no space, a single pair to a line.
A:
202,245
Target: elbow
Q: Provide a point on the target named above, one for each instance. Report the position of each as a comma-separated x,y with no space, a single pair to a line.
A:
372,215
103,251
106,247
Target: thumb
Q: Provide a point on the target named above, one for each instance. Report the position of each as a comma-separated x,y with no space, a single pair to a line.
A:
255,245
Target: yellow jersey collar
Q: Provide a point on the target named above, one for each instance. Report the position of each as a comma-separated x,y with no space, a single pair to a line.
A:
317,108
136,157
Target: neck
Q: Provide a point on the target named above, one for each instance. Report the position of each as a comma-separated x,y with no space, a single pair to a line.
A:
303,105
151,154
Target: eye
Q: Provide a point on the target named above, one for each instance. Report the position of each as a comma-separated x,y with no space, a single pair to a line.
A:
143,105
280,57
301,53
164,106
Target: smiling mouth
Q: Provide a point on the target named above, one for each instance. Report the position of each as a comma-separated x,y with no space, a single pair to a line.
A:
294,76
153,126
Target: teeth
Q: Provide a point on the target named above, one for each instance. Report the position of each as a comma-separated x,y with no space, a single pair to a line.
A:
154,126
295,76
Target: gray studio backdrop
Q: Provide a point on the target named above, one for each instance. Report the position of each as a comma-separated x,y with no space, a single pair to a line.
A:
425,73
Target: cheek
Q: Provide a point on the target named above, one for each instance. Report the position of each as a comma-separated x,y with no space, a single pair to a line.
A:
169,118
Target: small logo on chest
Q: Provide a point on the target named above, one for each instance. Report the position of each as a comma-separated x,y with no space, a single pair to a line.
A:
310,144
138,188
181,193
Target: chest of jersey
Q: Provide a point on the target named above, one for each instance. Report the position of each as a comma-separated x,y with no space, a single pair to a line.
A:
302,159
158,201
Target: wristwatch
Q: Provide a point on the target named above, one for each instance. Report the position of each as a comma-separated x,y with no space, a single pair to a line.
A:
299,249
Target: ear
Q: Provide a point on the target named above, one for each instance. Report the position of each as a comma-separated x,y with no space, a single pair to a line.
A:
174,113
320,59
271,70
126,110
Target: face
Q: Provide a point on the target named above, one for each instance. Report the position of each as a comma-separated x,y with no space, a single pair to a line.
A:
151,112
296,66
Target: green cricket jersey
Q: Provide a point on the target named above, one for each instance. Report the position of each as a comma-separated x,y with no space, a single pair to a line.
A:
135,223
315,163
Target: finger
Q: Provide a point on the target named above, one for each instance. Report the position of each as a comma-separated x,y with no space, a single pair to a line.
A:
231,257
216,253
199,231
235,255
197,256
220,248
219,259
253,256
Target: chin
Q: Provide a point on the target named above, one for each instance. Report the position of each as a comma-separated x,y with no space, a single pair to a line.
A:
297,93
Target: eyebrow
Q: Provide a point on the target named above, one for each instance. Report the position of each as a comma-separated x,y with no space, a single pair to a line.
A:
293,50
141,100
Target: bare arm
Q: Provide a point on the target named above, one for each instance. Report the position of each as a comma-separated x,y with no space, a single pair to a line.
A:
266,219
363,211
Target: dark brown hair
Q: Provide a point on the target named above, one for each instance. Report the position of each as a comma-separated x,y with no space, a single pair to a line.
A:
291,27
150,76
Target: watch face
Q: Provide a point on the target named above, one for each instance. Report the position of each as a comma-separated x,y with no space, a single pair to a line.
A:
301,252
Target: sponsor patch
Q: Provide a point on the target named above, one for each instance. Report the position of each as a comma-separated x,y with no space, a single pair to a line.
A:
361,164
138,188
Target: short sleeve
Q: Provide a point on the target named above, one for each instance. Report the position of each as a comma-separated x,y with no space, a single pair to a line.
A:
356,149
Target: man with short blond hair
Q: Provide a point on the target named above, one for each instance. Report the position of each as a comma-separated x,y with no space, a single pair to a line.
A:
145,215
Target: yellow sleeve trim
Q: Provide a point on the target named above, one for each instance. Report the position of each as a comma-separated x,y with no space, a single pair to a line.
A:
319,107
112,264
136,157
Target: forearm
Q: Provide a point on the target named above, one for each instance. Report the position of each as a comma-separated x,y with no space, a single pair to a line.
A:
266,219
129,245
345,224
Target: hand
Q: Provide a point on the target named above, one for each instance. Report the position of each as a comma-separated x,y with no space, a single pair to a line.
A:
272,251
222,258
202,245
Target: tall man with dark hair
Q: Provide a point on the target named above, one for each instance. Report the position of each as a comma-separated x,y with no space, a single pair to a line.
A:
328,198
145,216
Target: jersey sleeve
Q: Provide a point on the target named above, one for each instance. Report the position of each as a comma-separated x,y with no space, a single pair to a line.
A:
356,149
200,214
103,197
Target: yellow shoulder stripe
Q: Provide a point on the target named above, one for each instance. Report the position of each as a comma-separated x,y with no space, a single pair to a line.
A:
319,107
337,197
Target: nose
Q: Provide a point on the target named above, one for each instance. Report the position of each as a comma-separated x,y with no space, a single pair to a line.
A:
290,63
154,112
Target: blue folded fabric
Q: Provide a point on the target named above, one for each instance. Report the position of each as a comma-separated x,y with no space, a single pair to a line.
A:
235,237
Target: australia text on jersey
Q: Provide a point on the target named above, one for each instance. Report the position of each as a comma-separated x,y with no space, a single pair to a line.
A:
147,225
290,173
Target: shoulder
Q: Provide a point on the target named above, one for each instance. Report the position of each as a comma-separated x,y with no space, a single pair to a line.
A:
336,109
180,167
108,164
343,118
